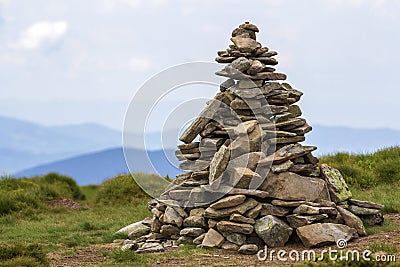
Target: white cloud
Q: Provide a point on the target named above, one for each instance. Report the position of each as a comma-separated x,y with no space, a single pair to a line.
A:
140,64
4,2
15,59
132,3
41,33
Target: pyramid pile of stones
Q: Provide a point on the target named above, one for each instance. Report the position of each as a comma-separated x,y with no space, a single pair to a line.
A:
248,182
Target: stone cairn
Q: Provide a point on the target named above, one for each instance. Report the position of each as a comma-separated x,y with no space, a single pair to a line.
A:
248,181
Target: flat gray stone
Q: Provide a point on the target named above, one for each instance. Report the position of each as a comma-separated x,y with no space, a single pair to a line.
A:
289,204
132,227
269,209
205,116
254,212
282,167
192,231
241,209
179,194
195,221
169,230
236,238
296,221
194,165
150,248
197,212
321,234
288,152
245,44
212,239
229,201
139,231
230,246
172,217
200,175
240,64
248,249
352,220
241,219
255,67
249,192
219,163
234,227
131,246
248,160
290,186
362,211
244,178
365,204
306,210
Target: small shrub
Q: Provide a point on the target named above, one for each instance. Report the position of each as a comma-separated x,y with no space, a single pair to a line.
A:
119,190
53,185
7,204
29,195
87,226
388,171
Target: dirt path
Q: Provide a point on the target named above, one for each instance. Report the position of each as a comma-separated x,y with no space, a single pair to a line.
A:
97,254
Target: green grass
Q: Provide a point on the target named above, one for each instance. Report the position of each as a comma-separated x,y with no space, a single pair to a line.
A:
62,227
90,192
384,228
383,247
26,219
386,194
367,170
21,254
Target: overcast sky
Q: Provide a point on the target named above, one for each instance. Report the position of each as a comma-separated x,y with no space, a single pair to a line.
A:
75,61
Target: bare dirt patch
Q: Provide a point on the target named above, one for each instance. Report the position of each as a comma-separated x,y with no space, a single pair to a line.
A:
67,203
81,256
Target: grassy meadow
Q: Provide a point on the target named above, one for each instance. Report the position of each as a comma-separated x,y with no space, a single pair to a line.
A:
32,228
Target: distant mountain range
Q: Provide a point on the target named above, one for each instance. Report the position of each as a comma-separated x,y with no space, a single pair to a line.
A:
91,152
94,168
24,144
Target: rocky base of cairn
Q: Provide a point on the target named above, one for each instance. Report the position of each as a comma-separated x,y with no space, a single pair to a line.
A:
248,181
246,223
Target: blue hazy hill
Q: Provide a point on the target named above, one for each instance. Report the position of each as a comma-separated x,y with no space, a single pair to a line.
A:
95,167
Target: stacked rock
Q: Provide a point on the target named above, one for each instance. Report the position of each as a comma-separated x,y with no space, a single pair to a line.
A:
248,181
